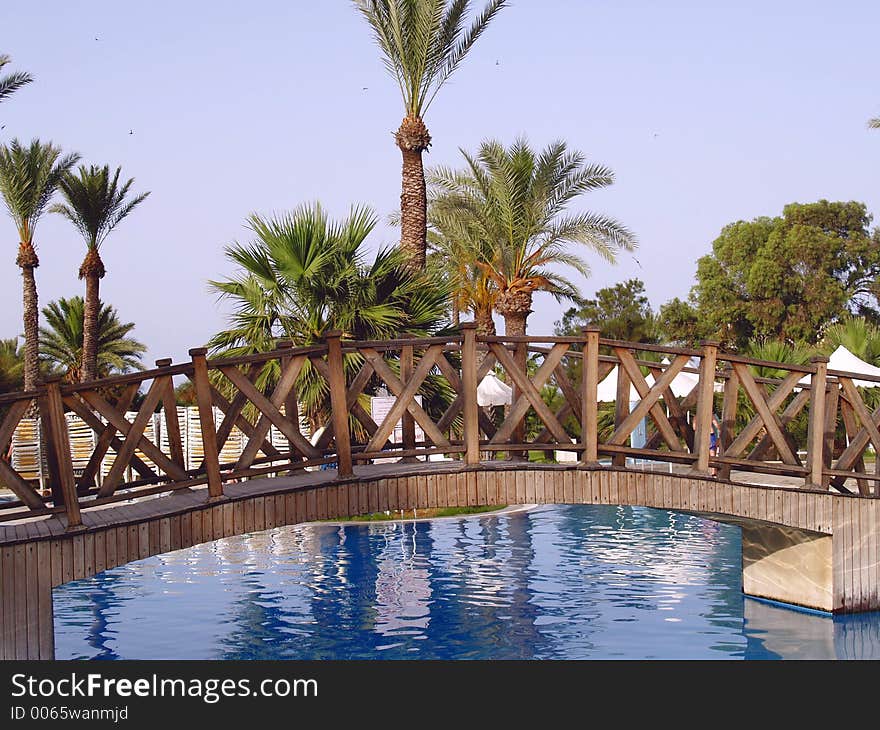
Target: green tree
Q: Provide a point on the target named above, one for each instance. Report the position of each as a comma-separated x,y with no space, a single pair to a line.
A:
302,275
95,203
513,201
787,277
679,323
422,43
29,176
61,341
12,82
11,365
622,311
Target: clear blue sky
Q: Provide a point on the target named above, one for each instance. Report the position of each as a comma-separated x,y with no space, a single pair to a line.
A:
707,112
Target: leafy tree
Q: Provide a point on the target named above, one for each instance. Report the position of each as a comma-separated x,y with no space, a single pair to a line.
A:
679,323
787,277
29,176
422,43
11,82
510,206
622,311
61,341
95,202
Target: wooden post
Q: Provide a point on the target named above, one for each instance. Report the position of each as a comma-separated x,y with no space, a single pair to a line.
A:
621,407
469,388
206,421
408,424
172,423
291,407
589,397
728,417
816,428
339,404
705,406
833,396
60,462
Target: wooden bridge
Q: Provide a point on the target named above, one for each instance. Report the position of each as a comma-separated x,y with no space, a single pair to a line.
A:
790,466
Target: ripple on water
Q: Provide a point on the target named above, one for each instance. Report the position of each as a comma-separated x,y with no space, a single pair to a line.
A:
560,582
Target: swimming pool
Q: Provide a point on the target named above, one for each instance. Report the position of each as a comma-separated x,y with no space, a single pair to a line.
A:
554,582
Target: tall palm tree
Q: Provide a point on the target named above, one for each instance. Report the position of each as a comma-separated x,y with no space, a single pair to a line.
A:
96,202
856,334
303,274
62,340
29,176
12,82
510,205
422,43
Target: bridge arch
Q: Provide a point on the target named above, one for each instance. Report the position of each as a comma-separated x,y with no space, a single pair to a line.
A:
784,530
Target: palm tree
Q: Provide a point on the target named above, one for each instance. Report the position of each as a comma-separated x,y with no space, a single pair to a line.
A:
61,341
303,275
455,247
29,176
11,83
509,205
422,43
95,203
856,334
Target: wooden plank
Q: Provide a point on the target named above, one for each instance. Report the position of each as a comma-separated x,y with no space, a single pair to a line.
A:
312,503
290,515
144,540
20,602
88,554
33,601
164,535
46,627
55,554
7,597
259,507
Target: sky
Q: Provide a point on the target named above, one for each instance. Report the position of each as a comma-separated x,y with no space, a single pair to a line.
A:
708,113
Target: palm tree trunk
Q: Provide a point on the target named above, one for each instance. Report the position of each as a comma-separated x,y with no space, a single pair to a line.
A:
516,307
92,270
412,138
28,261
485,323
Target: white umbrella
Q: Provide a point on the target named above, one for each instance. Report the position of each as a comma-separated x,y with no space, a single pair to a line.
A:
493,392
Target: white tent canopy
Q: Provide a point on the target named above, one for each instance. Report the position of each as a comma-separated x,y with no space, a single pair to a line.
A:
493,392
842,359
681,385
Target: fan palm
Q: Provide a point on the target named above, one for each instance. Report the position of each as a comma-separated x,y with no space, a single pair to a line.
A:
62,340
856,334
508,210
12,82
95,202
303,275
422,43
29,176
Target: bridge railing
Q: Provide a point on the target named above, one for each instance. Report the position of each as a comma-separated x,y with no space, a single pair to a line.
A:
604,402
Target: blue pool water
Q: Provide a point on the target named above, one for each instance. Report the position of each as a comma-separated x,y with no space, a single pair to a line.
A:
558,582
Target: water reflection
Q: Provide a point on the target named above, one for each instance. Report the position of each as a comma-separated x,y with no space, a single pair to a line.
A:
556,582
